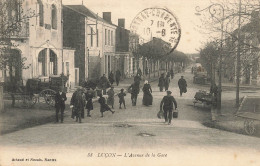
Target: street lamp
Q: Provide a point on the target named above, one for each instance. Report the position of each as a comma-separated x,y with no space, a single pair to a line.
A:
213,10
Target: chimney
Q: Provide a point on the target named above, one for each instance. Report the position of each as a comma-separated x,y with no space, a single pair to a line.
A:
121,22
107,16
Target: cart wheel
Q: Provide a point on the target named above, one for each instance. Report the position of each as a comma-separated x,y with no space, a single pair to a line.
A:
49,96
249,127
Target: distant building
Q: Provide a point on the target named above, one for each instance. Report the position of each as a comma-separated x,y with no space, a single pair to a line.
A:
93,38
249,54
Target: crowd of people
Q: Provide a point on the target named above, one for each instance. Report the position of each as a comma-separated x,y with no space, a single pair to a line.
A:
82,97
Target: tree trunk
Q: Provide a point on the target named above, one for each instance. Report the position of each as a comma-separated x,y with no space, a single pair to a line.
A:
12,85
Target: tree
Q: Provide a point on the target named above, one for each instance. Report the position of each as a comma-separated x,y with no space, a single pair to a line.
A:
208,58
14,23
241,20
154,51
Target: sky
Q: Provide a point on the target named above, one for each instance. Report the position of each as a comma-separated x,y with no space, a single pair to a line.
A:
184,10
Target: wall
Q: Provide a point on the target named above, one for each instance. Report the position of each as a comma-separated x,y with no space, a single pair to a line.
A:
74,37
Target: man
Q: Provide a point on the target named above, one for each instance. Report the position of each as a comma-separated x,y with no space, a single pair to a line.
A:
167,82
104,83
60,98
182,85
111,78
172,73
137,78
139,72
77,102
89,94
167,106
161,82
118,75
134,92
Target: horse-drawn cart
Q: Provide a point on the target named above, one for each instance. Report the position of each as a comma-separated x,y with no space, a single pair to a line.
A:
202,97
249,110
39,90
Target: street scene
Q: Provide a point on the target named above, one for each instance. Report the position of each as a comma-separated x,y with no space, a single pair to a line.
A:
100,83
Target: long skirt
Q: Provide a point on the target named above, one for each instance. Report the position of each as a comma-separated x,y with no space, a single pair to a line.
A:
147,99
110,100
104,108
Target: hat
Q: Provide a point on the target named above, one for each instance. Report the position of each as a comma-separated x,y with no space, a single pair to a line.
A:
169,92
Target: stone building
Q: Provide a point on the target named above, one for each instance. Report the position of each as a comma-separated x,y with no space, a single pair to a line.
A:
93,39
40,41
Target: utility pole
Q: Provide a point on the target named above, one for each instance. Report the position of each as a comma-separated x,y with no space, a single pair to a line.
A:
238,57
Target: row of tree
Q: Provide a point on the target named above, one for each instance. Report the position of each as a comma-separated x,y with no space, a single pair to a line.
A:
159,50
233,31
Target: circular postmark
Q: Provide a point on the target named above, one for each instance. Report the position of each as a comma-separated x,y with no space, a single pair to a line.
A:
157,23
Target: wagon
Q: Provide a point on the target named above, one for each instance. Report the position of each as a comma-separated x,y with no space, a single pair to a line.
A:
249,110
202,97
39,90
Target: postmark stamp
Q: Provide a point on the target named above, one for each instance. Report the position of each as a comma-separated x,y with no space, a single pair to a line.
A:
157,22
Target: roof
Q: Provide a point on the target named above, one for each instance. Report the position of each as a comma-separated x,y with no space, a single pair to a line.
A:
87,12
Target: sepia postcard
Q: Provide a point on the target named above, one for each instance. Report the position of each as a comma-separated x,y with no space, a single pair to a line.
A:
120,82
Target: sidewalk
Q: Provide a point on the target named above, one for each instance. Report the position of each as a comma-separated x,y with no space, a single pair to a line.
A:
228,120
14,119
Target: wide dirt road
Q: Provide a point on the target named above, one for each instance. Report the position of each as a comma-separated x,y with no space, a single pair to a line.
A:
132,136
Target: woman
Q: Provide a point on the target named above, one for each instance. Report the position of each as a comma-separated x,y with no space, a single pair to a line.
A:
110,99
147,98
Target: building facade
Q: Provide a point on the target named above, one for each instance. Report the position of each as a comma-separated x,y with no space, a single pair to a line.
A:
40,41
93,39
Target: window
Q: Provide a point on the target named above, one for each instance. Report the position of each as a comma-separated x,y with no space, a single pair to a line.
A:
53,17
53,63
108,37
112,41
41,13
42,62
67,68
91,37
97,37
105,36
13,7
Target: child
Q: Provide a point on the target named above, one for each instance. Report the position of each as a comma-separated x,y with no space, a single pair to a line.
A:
103,106
121,96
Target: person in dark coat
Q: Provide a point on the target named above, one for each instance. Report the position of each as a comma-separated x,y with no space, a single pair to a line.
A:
60,98
103,106
172,73
139,72
161,82
167,82
137,78
78,102
111,78
118,76
110,99
104,83
134,89
167,106
89,96
121,97
182,85
147,98
214,94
